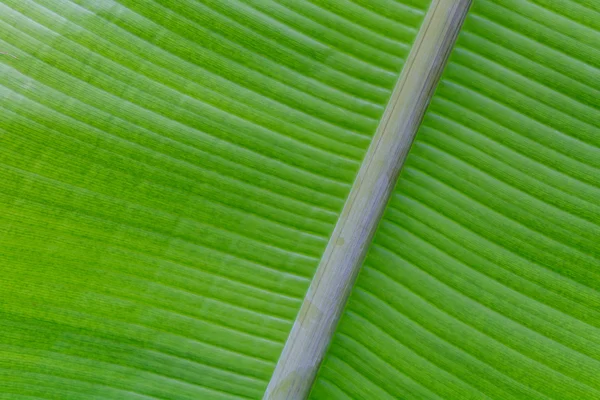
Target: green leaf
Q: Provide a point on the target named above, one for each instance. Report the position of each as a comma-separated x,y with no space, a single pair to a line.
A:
483,278
170,172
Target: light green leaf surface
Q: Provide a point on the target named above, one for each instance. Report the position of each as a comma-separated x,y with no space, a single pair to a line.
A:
483,280
170,171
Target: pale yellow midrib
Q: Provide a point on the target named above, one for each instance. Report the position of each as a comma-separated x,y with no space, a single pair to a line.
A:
325,300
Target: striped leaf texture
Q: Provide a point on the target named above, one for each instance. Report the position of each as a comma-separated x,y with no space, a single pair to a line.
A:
483,279
170,172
